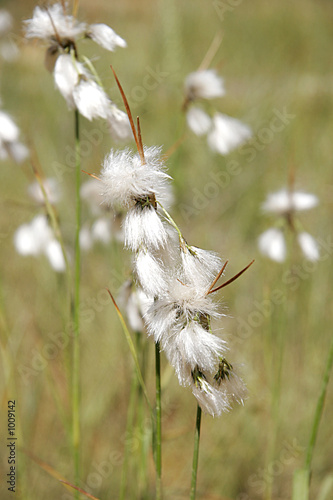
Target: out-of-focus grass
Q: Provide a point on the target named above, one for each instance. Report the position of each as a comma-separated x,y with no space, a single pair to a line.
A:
274,55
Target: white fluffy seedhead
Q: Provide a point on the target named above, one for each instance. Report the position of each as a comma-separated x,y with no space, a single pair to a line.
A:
150,273
204,84
194,346
90,99
126,180
216,394
272,244
120,128
284,201
177,307
309,246
199,266
66,77
104,36
144,228
9,131
227,134
51,22
198,121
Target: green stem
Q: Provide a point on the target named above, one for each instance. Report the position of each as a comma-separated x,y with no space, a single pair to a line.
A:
158,429
129,434
76,344
172,222
195,455
319,409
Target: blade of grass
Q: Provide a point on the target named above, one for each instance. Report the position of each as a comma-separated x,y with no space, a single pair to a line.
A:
319,408
132,350
301,482
76,316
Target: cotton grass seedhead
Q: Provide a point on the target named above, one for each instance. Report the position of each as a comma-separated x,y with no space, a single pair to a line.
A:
150,273
104,36
90,99
192,346
204,84
67,74
272,244
309,246
144,228
53,24
125,180
198,265
6,22
285,201
227,134
120,129
216,395
198,121
37,238
285,204
10,146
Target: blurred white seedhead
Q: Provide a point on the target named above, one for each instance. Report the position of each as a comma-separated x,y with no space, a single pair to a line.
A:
101,226
8,48
37,238
135,303
60,30
52,191
224,132
203,84
80,86
10,145
285,204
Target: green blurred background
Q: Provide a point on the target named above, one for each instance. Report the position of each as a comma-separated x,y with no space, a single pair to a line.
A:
274,56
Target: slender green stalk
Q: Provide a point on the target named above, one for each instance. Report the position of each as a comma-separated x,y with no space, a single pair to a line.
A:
158,428
195,454
142,429
76,340
129,434
319,409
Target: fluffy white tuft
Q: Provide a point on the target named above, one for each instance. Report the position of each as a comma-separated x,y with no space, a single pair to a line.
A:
272,244
194,346
120,128
143,228
309,246
284,201
227,134
90,99
104,36
204,84
199,266
198,121
150,273
66,77
48,23
125,180
9,131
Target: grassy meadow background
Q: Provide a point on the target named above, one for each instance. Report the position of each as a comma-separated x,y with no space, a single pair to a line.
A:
276,57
